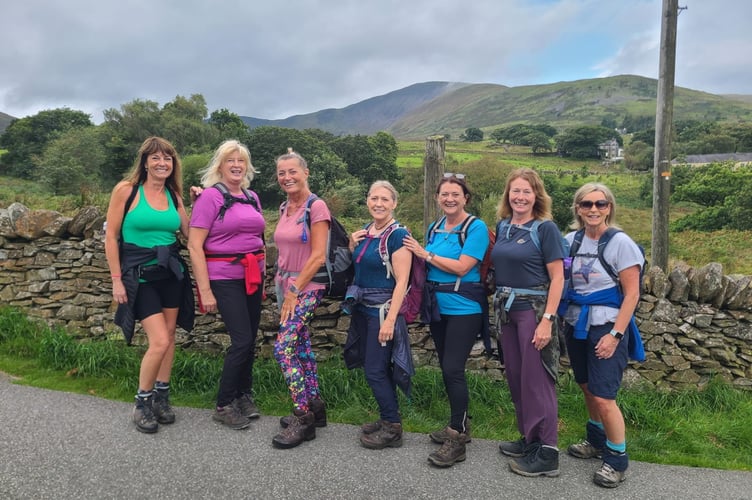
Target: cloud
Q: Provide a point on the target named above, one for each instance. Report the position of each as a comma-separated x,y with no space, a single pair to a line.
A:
275,59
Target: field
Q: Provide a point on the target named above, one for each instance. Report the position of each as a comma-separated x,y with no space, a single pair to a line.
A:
486,166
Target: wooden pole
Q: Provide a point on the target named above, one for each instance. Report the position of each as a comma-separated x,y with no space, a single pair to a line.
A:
663,124
433,171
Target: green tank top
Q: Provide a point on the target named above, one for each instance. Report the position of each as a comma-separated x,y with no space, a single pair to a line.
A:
147,227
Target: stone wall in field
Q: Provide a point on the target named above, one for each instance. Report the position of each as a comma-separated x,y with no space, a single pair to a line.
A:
695,323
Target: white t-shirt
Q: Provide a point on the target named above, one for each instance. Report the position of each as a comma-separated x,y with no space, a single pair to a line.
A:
589,276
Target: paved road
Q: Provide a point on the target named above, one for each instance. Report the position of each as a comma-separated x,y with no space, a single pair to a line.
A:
56,445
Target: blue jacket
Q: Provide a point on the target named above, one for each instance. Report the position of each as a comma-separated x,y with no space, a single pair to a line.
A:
610,297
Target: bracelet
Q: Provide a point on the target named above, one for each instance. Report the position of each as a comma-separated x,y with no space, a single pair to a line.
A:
430,256
116,276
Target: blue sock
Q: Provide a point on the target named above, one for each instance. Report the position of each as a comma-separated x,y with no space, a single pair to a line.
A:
597,424
618,448
161,386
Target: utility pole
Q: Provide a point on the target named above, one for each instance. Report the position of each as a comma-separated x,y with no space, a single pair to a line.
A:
433,171
663,124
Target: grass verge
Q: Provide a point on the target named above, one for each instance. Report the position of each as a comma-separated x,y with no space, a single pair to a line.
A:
707,428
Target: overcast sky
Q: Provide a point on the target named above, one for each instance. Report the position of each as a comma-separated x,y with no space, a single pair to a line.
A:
276,58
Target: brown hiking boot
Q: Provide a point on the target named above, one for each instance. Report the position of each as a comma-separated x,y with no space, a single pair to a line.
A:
161,406
441,435
453,449
229,416
389,435
371,427
318,407
300,428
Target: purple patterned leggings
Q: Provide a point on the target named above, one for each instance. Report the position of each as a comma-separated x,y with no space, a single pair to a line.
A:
293,352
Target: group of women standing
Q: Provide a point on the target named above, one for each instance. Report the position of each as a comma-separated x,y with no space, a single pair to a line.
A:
594,305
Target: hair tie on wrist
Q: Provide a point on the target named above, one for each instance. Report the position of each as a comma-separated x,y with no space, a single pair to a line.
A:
116,275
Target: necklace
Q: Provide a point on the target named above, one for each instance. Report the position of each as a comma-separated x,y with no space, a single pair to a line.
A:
377,228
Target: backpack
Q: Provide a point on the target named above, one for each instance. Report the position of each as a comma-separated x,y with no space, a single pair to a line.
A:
338,272
411,304
230,199
602,242
505,225
487,275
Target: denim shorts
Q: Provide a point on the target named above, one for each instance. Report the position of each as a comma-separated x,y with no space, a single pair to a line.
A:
602,376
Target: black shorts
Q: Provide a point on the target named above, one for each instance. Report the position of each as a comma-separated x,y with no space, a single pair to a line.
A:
154,296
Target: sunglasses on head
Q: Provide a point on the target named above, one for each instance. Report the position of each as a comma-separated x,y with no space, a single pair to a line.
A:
599,204
450,174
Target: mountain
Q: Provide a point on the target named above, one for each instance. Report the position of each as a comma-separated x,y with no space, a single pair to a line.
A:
5,121
366,117
430,108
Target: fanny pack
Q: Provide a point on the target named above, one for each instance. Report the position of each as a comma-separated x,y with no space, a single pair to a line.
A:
154,272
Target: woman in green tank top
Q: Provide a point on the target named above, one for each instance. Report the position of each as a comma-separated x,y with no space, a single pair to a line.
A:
148,279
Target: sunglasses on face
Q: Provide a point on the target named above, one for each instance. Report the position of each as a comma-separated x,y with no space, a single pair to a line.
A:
599,204
450,174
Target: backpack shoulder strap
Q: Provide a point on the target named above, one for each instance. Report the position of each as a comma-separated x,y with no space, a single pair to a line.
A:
384,248
128,203
534,233
576,242
433,226
602,242
463,228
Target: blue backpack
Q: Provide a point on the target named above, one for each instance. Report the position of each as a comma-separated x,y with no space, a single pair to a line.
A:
505,225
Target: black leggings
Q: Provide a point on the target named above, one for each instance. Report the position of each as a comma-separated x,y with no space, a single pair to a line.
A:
454,337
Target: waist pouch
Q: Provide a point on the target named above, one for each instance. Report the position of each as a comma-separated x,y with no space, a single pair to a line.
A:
154,272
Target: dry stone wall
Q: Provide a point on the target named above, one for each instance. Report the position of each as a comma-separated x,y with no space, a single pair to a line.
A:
696,323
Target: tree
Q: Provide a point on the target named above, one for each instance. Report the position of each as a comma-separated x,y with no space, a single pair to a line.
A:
583,141
27,137
472,134
73,163
183,124
639,156
538,142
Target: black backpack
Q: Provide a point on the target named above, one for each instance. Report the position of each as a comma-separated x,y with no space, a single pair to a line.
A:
230,199
602,242
338,272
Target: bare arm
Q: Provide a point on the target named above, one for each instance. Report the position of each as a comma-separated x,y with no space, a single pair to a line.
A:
196,238
460,266
115,213
556,276
319,235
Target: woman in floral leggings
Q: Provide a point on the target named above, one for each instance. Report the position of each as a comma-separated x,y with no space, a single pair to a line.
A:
300,237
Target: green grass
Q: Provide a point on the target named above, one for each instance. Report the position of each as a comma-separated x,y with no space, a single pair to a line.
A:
707,428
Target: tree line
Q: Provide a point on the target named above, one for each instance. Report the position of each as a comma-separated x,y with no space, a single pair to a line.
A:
63,150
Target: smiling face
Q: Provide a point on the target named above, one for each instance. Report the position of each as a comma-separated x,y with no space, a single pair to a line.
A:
451,198
381,205
594,210
159,166
233,168
291,176
521,198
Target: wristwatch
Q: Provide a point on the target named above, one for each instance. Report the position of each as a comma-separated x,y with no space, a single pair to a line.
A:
549,316
616,334
430,256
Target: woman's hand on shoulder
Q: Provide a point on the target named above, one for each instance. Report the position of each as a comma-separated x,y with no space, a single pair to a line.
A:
356,237
194,192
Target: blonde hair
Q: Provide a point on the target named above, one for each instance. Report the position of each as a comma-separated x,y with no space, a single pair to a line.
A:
211,173
586,189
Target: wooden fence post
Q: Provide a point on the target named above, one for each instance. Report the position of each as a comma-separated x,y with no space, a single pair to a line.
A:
433,171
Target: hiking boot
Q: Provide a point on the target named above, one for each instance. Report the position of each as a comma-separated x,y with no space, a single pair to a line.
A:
608,477
161,406
584,450
542,461
246,406
371,427
518,449
143,415
318,407
300,427
231,417
389,435
441,435
453,449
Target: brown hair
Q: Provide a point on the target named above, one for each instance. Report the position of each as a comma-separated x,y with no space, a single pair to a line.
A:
152,145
